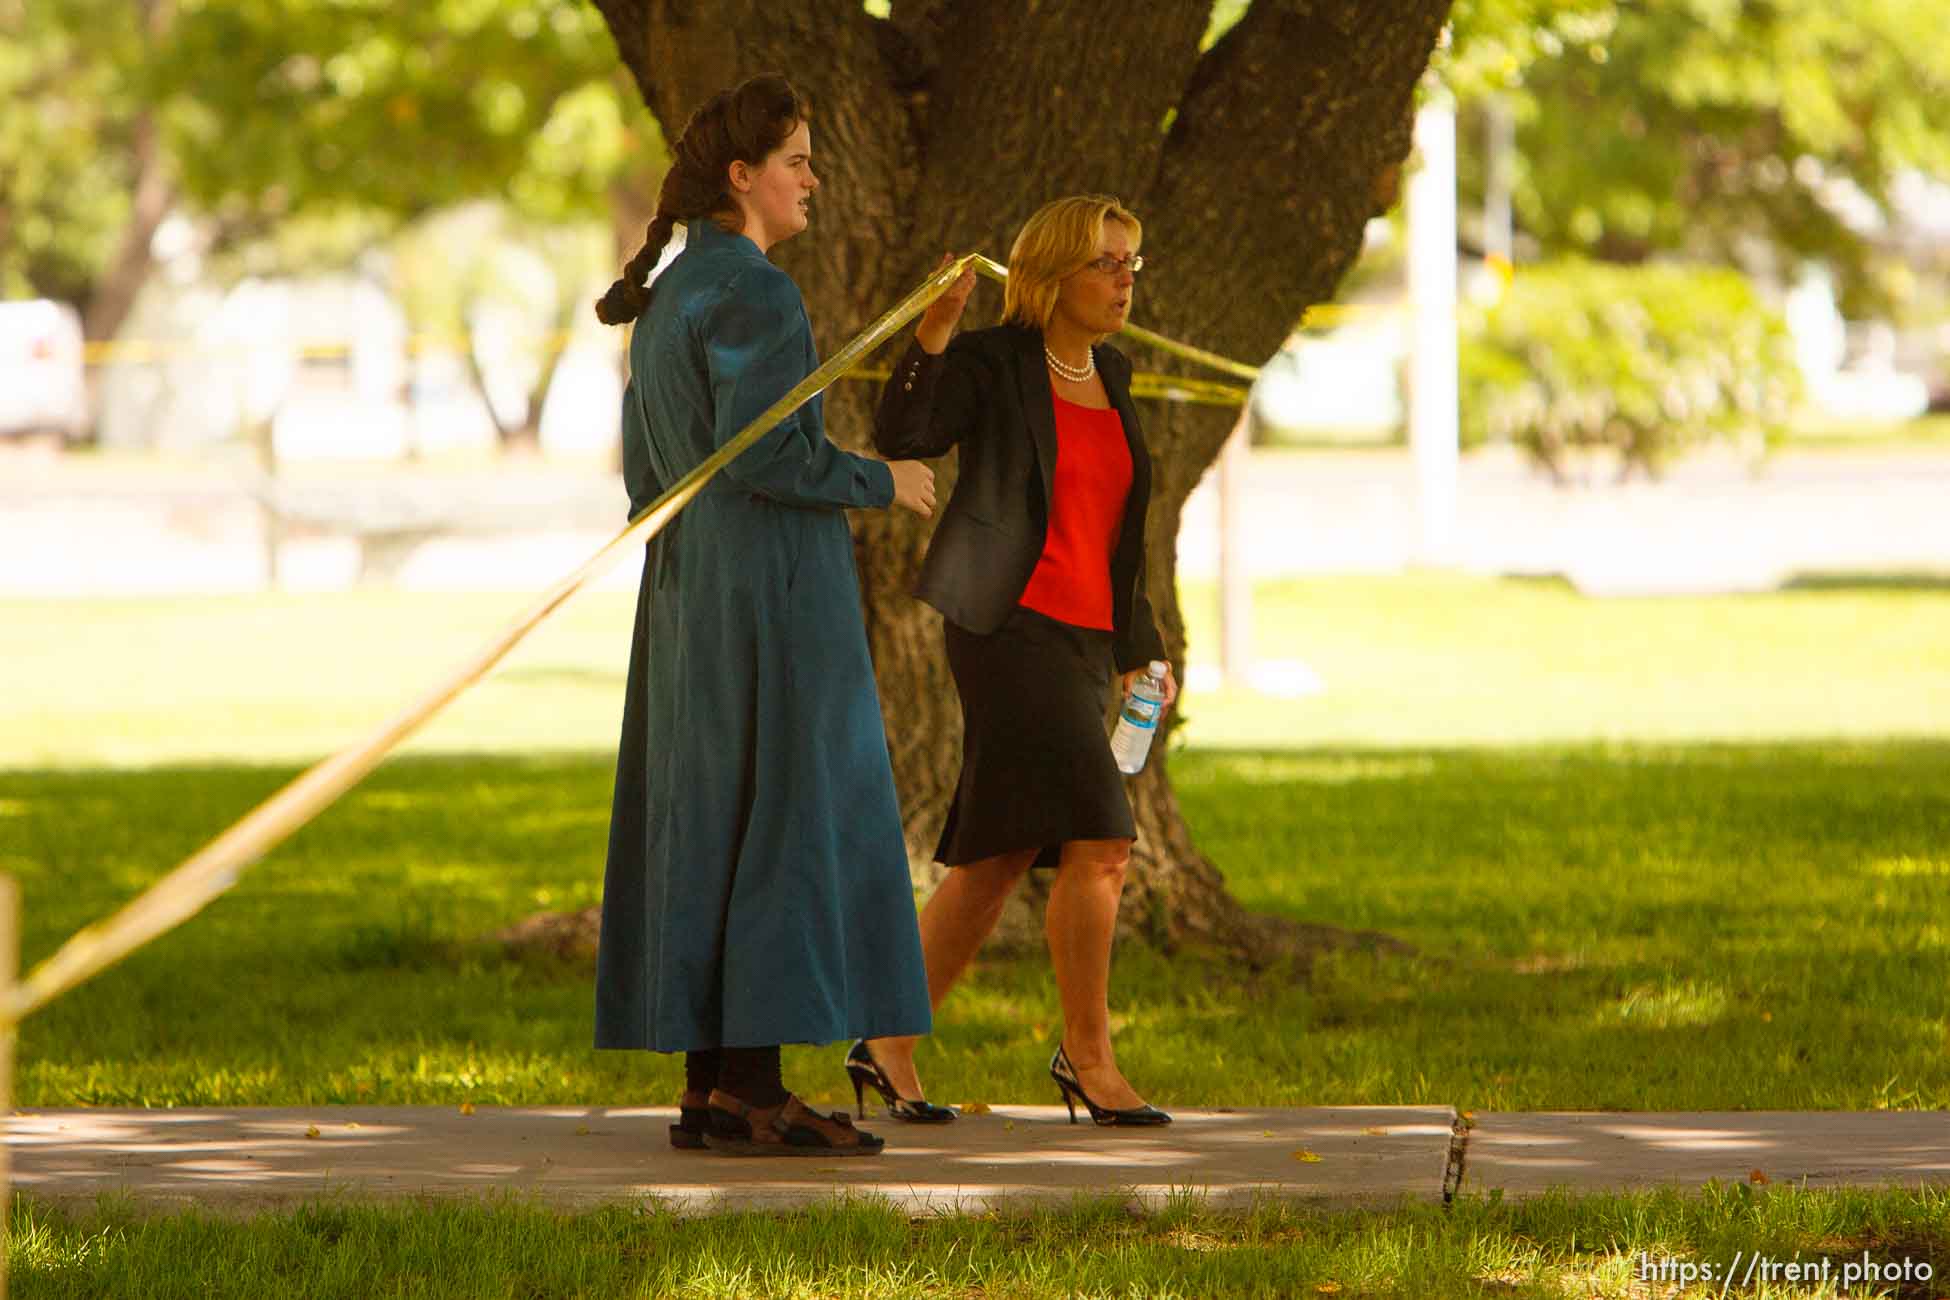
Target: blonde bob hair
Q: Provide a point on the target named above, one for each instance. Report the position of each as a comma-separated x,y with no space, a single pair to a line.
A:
1060,240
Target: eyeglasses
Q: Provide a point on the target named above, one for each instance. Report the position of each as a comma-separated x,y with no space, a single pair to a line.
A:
1112,265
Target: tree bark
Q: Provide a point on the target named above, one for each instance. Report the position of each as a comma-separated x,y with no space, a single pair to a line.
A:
128,269
152,194
1255,166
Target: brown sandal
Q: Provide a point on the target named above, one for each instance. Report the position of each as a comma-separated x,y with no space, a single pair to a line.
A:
789,1129
693,1122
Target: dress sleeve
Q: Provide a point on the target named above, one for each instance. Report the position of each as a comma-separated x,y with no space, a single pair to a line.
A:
931,401
756,341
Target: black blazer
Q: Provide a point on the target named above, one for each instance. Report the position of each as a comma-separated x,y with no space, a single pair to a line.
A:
989,393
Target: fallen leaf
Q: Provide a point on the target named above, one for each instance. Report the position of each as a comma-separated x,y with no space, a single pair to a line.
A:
1266,1132
1328,1288
467,1108
1756,1176
1008,1124
975,1108
1767,1017
352,1123
1306,1155
1375,1131
582,1130
312,1131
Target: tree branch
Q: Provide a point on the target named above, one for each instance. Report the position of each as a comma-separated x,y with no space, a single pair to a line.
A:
1290,137
1033,101
129,266
629,23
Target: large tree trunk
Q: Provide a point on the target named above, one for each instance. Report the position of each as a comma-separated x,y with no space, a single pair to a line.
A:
1255,166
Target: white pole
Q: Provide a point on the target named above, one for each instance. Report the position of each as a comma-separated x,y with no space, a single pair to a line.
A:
1235,585
1432,415
1501,132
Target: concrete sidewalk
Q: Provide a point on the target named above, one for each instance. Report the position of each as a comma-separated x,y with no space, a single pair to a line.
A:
239,1160
1615,1150
246,1159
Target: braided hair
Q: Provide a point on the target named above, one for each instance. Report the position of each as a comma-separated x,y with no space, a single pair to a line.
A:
743,124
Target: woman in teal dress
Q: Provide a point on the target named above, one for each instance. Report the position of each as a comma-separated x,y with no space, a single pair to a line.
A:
757,890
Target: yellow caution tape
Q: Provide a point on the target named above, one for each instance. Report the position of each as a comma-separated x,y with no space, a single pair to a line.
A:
1144,384
117,352
1182,388
1326,315
186,890
996,271
1322,315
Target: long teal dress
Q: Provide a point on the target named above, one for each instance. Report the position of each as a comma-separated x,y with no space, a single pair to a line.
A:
757,889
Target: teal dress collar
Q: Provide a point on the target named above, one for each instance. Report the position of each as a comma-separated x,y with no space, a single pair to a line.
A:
702,233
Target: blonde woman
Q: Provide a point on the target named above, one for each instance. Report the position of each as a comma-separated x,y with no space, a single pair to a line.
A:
1037,568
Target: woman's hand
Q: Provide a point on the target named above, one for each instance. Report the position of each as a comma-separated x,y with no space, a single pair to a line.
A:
913,487
1171,685
944,313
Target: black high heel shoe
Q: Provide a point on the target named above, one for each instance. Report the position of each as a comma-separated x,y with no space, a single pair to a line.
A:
1065,1075
866,1073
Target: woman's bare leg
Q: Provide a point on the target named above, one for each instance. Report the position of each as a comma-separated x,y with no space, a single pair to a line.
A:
959,915
1081,919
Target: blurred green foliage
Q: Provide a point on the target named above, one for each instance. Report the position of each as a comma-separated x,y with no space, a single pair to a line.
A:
1639,362
1724,130
284,104
1715,129
65,165
269,114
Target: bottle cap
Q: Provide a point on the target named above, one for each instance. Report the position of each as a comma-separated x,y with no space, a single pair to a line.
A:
1159,668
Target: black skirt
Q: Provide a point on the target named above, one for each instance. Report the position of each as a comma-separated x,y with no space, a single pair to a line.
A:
1036,769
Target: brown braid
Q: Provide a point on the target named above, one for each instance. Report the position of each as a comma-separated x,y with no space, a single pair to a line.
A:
743,124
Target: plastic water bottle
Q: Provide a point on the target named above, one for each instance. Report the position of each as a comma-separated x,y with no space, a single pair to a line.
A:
1137,723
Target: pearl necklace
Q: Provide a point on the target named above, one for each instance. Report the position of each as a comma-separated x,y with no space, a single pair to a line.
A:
1075,374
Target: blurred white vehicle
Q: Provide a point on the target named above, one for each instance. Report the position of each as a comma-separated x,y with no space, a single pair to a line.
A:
42,389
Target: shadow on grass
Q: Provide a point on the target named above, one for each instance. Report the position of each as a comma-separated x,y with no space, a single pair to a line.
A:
1651,926
1837,582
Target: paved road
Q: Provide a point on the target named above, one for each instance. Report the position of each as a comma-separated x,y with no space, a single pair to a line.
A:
1712,524
74,527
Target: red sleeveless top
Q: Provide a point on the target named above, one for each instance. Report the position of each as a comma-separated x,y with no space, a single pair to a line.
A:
1071,582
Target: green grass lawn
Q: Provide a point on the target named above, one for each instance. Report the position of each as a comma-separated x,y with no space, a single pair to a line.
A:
1814,433
1451,661
1694,927
1659,919
1674,854
1550,1246
1413,662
